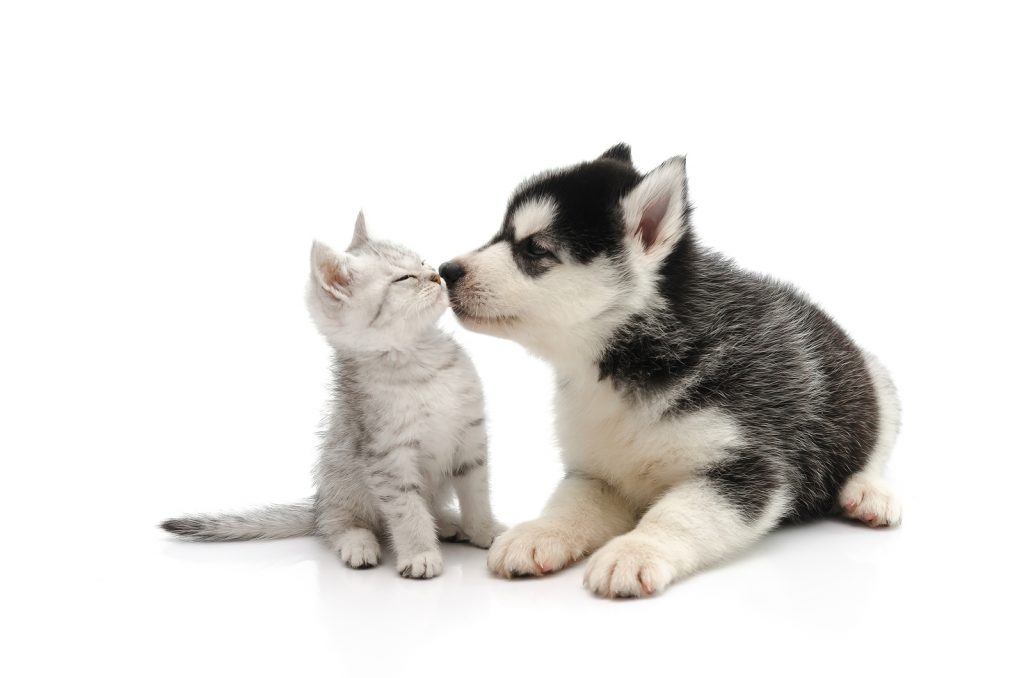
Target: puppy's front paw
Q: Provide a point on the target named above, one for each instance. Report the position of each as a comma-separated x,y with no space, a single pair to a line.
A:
629,566
425,565
536,548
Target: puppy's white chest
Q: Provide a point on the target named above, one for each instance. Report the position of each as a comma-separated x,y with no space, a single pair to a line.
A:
632,447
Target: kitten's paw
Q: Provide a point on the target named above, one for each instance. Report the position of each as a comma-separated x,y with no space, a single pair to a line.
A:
450,530
867,499
630,566
484,535
425,565
358,548
536,548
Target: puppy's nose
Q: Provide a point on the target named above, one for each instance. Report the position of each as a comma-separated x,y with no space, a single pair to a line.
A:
451,271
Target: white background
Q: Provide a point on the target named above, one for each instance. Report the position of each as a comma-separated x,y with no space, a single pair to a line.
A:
164,167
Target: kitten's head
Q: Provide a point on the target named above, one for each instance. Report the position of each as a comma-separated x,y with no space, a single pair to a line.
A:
375,295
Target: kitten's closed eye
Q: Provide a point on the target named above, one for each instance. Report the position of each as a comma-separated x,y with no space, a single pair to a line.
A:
404,277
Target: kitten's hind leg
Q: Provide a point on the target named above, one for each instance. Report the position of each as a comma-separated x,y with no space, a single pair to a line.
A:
358,548
345,519
446,518
471,481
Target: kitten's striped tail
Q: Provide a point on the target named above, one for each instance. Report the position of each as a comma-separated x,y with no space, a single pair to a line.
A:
276,521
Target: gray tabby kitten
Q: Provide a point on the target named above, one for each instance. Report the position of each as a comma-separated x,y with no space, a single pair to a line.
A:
406,425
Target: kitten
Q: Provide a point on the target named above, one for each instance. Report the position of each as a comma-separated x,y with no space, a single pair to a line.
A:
406,425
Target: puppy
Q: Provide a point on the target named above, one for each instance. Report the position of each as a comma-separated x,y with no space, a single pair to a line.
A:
698,405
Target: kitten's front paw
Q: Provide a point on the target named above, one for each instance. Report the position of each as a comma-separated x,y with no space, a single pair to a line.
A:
629,566
536,548
425,565
358,548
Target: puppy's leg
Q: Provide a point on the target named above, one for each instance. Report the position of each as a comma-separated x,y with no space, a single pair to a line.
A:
581,515
691,526
470,479
866,497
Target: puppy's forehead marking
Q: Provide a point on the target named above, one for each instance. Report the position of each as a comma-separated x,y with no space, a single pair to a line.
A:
533,216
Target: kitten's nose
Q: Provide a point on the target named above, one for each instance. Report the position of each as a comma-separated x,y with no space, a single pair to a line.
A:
451,271
435,278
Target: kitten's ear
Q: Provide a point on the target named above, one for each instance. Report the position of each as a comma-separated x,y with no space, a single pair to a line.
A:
655,211
330,271
359,235
620,152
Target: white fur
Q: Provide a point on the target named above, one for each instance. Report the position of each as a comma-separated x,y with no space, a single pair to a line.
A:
626,461
653,211
633,447
533,216
867,496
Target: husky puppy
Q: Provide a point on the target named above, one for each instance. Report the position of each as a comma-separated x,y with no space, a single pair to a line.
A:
406,426
698,405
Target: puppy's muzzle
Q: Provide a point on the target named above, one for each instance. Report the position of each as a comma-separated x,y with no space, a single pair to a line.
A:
451,271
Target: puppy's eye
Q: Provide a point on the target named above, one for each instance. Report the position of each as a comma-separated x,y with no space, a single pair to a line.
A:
534,249
404,277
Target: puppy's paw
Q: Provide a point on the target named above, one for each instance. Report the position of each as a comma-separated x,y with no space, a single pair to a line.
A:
630,566
358,548
533,548
867,499
425,565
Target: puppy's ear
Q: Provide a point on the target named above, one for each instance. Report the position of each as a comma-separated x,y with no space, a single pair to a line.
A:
655,211
620,152
359,234
330,271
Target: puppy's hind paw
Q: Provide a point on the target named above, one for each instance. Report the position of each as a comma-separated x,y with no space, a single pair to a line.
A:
867,499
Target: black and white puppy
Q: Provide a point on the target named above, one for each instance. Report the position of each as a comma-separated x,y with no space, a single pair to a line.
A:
698,405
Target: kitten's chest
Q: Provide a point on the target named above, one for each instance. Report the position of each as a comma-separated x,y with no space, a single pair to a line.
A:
429,402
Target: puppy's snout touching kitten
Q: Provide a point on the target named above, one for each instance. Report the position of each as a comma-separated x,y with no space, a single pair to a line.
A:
451,271
406,426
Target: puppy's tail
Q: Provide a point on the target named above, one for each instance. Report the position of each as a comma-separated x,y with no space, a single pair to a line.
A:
276,521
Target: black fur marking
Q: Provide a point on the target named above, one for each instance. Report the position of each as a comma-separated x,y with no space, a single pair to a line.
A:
747,480
405,444
185,527
587,222
619,152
